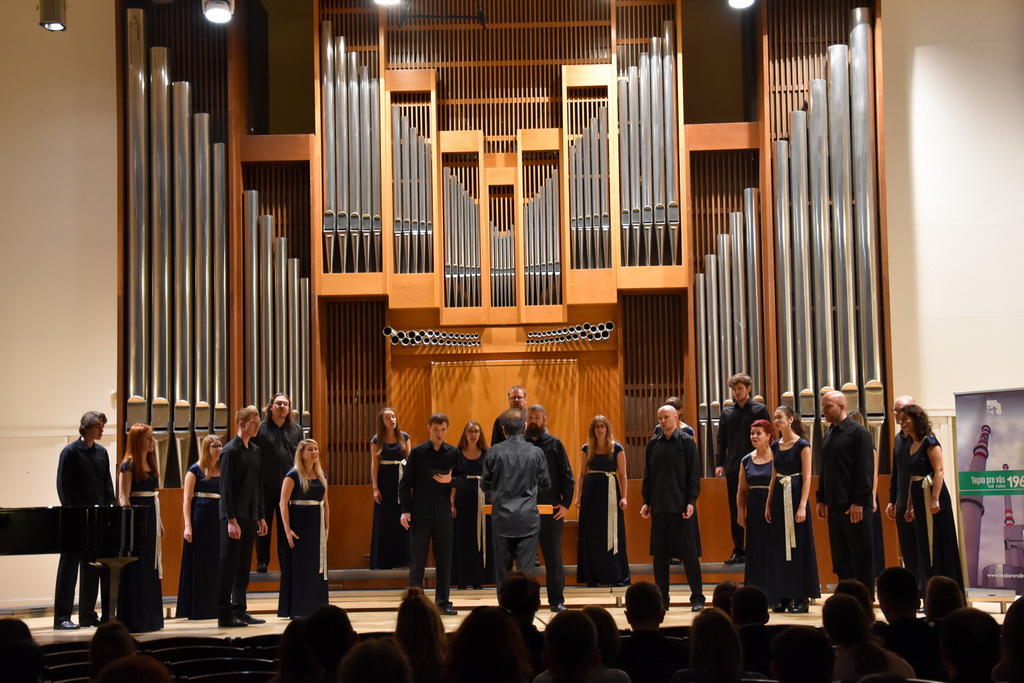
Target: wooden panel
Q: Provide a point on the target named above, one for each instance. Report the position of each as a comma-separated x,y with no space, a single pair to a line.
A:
270,148
411,80
653,277
721,136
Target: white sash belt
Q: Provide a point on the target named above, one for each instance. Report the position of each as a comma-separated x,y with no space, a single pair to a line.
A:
787,503
612,537
158,560
926,488
401,471
202,494
481,519
323,532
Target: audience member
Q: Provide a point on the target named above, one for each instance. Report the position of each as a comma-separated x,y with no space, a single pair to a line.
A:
570,649
111,641
905,634
1011,646
941,596
329,636
420,633
295,663
802,654
520,595
609,642
722,597
969,645
647,655
22,660
14,629
715,652
488,647
750,615
135,669
858,590
858,653
377,660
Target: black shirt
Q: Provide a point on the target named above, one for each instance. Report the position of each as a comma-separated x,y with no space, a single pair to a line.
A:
563,483
421,494
899,483
847,467
671,479
514,472
497,433
240,496
734,433
83,475
277,451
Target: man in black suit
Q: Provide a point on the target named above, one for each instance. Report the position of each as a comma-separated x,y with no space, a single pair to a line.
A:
648,655
559,496
517,400
513,472
425,492
277,440
241,505
83,478
899,491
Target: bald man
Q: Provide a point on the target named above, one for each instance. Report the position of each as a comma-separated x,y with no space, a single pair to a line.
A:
899,487
844,492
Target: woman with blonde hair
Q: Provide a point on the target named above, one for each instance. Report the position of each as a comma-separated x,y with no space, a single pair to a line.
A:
198,583
601,499
306,515
389,452
140,598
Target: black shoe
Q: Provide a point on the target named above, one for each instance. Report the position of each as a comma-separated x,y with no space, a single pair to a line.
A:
736,558
697,607
231,622
558,608
65,625
800,606
782,606
90,621
448,611
249,619
261,568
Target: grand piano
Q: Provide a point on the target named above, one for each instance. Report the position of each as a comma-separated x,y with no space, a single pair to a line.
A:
109,535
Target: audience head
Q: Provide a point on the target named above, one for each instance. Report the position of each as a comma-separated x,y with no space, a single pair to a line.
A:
22,659
858,590
488,646
377,660
969,643
513,422
520,595
329,637
715,651
570,646
1011,644
14,629
420,632
845,621
295,661
722,597
802,654
608,639
897,593
135,669
644,607
111,641
942,595
749,606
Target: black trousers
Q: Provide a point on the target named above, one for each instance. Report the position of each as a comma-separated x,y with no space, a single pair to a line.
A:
422,529
522,549
732,485
271,500
69,568
908,546
668,530
235,564
853,555
551,548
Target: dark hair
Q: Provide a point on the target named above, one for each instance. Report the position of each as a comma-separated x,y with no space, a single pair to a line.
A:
897,589
378,659
857,417
715,650
135,669
537,408
488,646
921,426
15,629
295,662
970,639
749,606
609,641
847,625
798,424
765,426
802,654
382,430
722,595
464,441
421,634
859,592
90,420
520,595
675,402
942,595
513,422
268,411
514,387
570,641
1011,644
741,378
437,419
329,637
111,641
644,603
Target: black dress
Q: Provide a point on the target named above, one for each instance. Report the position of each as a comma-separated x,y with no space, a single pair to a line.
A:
797,577
303,578
760,553
472,565
389,543
140,603
199,580
596,563
943,557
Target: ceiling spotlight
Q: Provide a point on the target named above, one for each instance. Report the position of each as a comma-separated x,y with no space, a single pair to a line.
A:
740,4
219,11
387,2
53,15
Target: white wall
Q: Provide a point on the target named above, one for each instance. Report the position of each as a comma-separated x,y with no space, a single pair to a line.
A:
58,259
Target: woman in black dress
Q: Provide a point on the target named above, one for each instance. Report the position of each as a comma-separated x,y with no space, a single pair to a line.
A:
306,516
601,497
471,564
929,506
389,450
140,604
200,554
752,503
793,578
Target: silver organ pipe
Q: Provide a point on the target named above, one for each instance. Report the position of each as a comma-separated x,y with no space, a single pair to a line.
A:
803,348
739,291
203,289
783,274
255,388
752,227
160,170
821,230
